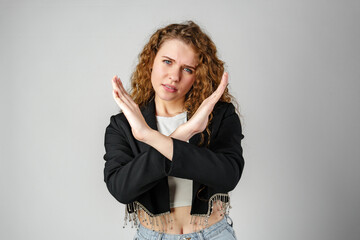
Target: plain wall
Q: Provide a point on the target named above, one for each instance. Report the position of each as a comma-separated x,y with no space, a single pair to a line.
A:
294,68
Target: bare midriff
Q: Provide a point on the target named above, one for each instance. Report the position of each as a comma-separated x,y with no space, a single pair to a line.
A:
181,220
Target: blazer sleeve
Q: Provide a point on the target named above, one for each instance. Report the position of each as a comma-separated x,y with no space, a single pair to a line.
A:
126,175
221,164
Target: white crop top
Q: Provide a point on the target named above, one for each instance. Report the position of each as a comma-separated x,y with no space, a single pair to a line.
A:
180,188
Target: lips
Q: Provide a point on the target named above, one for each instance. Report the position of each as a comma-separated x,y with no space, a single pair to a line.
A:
170,86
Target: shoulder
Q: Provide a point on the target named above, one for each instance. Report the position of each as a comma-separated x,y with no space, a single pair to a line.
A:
119,121
117,118
221,115
224,109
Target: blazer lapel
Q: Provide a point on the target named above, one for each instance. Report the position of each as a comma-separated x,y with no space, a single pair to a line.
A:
148,111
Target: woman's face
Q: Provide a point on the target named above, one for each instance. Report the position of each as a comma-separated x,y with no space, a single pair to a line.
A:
173,71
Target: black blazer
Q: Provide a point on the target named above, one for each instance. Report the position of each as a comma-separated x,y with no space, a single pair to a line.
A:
136,173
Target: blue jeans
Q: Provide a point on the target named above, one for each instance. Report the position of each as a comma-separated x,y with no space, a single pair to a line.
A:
221,230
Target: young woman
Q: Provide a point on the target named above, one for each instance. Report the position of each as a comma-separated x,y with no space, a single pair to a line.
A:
174,152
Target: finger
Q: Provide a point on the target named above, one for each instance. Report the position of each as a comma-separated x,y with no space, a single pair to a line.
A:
223,83
118,93
122,94
118,100
121,87
115,84
126,96
221,88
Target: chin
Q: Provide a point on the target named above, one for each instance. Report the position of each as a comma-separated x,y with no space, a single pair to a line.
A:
165,97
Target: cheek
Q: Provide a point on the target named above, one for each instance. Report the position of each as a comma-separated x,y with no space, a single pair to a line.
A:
190,83
154,74
192,80
157,71
154,78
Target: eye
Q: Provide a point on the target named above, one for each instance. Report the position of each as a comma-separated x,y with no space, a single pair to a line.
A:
167,61
188,70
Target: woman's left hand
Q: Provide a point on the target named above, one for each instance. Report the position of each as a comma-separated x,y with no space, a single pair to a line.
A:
197,123
131,110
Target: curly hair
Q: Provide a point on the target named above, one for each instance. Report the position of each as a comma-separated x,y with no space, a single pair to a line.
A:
208,73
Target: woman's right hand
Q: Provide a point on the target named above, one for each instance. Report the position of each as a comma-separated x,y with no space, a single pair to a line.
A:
197,123
131,110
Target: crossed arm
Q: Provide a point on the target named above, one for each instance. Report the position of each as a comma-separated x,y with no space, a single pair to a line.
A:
164,144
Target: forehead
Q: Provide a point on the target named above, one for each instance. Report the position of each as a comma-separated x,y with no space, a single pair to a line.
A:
179,51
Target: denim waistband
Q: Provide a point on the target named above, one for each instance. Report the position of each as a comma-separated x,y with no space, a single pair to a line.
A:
199,235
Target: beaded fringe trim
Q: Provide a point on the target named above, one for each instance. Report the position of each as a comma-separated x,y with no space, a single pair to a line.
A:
132,211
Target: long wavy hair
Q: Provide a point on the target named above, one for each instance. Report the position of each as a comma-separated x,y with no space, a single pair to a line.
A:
208,73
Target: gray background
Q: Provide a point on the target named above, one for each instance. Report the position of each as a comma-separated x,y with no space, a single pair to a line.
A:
294,68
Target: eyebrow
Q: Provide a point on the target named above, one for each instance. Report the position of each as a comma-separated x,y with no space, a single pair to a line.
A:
184,64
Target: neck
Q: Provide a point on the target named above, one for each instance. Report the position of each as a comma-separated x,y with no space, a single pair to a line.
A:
168,108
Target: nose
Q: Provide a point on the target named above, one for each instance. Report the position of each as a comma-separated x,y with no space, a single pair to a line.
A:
174,74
